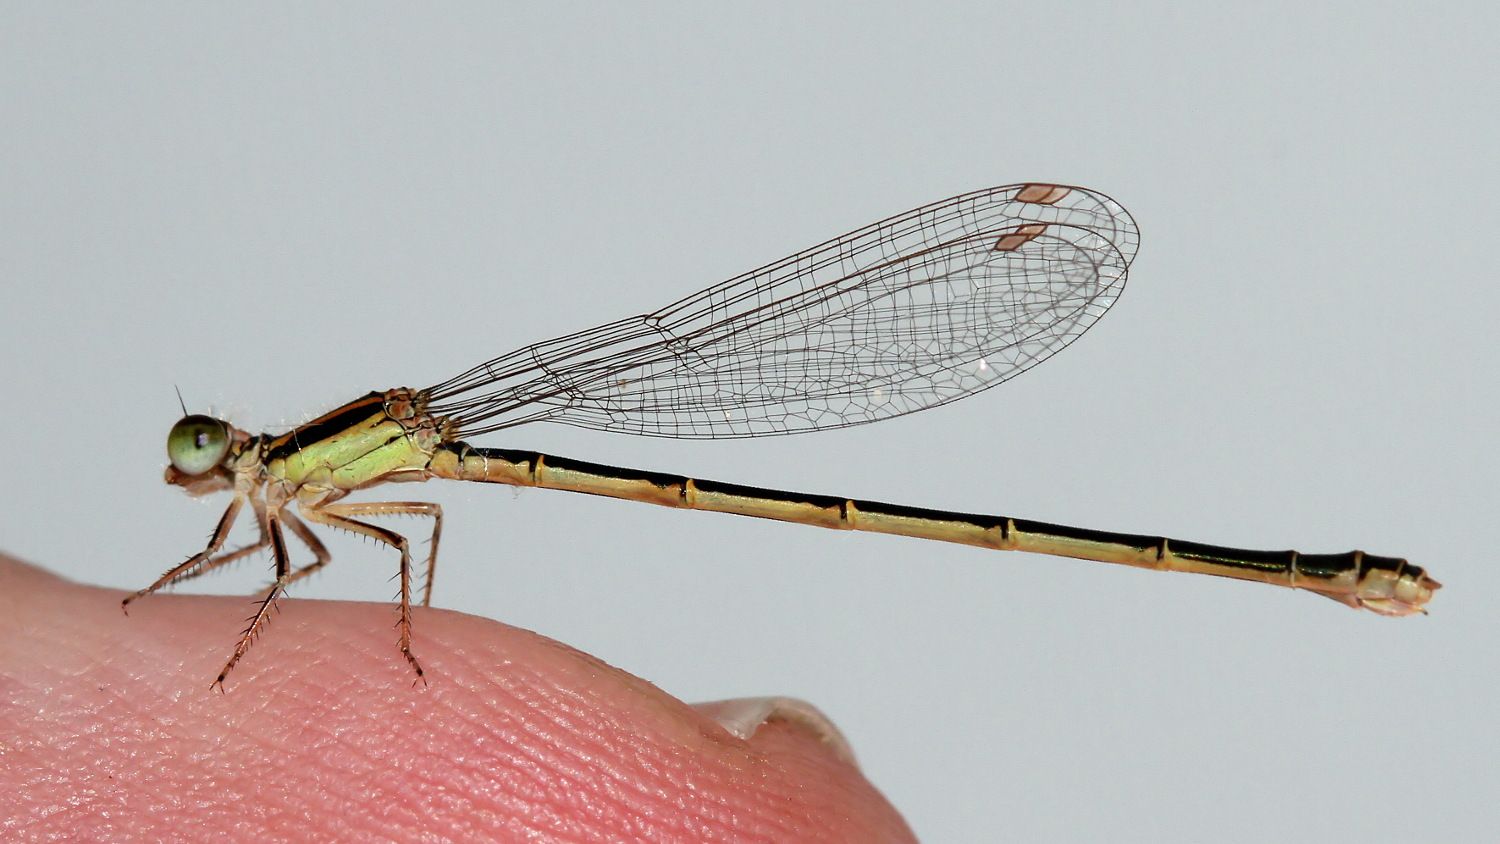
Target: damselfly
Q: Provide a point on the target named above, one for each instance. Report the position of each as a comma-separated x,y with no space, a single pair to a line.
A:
912,312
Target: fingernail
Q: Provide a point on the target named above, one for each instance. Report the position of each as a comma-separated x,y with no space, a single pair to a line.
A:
743,716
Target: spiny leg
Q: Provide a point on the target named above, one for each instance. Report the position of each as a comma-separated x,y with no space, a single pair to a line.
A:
320,559
189,568
315,545
403,508
263,611
228,557
336,516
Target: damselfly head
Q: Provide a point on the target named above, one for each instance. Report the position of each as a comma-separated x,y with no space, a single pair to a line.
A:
196,447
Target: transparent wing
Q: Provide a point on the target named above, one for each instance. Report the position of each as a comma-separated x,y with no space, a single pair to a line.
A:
912,312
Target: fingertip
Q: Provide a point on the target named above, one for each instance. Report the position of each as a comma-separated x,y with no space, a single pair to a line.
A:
513,735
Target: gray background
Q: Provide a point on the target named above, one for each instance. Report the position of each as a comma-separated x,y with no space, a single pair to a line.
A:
279,209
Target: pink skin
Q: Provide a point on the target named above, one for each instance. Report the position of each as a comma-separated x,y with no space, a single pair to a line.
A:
109,731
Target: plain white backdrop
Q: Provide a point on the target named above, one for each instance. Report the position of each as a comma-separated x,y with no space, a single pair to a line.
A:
279,208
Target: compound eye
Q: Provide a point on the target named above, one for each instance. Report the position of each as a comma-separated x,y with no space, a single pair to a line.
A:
197,444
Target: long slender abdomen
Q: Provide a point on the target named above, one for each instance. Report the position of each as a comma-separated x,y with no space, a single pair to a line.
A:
1386,585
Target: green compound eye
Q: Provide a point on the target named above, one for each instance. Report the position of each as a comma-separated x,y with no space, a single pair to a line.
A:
197,444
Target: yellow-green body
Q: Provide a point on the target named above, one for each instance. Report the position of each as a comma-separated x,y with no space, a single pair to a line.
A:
361,443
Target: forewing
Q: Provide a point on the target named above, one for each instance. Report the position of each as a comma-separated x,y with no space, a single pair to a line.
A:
908,313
